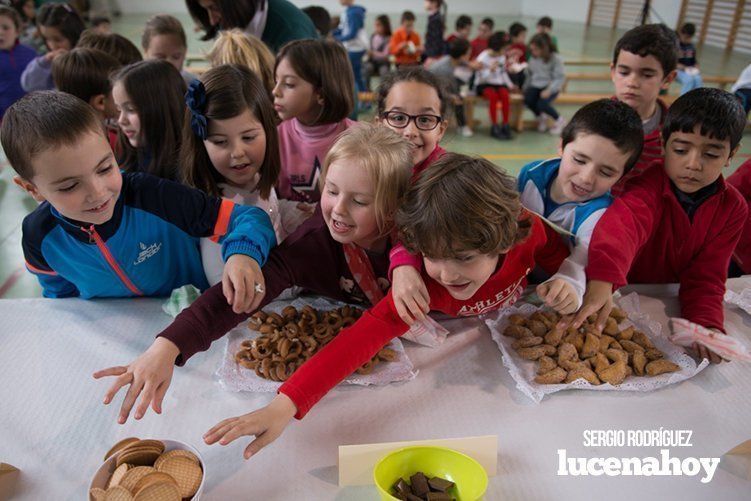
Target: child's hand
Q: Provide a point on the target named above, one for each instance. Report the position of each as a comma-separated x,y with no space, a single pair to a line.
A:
559,295
266,424
53,54
545,94
597,299
410,294
149,374
705,352
306,208
243,283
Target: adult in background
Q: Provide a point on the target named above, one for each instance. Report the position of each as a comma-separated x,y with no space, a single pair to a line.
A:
276,22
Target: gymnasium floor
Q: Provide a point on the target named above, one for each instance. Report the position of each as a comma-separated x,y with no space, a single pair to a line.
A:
575,41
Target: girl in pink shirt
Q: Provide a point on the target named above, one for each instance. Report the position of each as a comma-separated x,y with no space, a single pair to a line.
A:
313,96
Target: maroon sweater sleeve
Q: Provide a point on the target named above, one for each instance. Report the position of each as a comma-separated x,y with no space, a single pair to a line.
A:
350,349
308,258
623,229
702,284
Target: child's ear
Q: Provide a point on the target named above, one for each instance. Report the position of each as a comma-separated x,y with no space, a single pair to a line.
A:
97,102
668,79
560,147
732,154
612,72
29,188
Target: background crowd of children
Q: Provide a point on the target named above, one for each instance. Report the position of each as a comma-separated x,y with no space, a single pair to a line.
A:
236,181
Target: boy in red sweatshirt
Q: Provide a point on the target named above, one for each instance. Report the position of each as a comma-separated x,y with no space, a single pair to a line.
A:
466,215
741,262
679,221
644,62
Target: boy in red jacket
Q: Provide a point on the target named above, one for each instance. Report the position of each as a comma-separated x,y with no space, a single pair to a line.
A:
741,263
644,62
466,215
679,221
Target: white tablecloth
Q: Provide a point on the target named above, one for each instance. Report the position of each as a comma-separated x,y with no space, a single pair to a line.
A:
56,430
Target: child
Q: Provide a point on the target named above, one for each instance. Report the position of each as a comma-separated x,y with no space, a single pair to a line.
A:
516,54
688,74
446,68
101,24
741,262
412,102
27,32
365,175
149,100
480,43
493,83
601,142
378,54
113,44
14,58
543,82
164,38
405,42
742,88
435,45
313,107
61,27
351,33
100,233
478,250
463,28
235,47
545,25
644,62
236,156
85,73
679,221
321,19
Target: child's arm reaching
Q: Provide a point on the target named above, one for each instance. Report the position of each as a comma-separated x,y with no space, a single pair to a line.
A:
350,349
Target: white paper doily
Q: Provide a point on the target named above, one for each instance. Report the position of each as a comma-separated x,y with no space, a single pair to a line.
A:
234,377
524,371
742,300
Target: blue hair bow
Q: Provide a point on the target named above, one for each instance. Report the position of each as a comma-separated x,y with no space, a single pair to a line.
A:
195,98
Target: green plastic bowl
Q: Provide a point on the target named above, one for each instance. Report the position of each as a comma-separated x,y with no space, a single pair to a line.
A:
469,476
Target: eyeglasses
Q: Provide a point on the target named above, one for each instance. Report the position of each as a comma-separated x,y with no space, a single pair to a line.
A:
400,120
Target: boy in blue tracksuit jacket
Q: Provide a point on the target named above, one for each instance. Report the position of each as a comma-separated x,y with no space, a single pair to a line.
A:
102,233
602,142
351,33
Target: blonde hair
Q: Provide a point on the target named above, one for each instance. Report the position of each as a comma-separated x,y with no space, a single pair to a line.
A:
387,158
236,47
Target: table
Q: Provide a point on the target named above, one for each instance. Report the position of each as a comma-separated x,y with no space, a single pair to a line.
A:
56,430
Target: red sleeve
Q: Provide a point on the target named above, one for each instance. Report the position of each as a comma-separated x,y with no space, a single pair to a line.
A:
623,229
400,256
550,255
349,350
702,285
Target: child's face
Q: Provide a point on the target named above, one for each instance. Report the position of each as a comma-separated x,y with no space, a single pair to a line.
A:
103,28
638,81
28,10
409,26
535,50
213,11
168,48
295,97
379,28
415,98
464,275
484,31
8,33
464,32
127,118
237,148
348,204
685,38
54,38
693,161
81,180
590,166
542,29
520,38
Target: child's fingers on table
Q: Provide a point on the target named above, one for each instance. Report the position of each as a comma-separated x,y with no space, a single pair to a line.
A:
259,443
218,430
227,289
565,321
147,395
417,308
542,291
403,312
603,314
156,403
241,427
110,371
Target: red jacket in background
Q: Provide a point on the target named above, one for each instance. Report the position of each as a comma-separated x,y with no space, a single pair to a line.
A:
741,179
378,326
647,237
